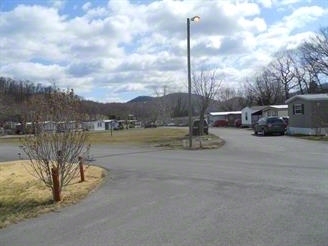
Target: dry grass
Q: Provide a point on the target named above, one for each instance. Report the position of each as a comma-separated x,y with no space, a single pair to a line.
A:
23,196
130,136
158,137
161,137
138,136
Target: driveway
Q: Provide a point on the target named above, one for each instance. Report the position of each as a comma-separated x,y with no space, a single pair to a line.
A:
253,191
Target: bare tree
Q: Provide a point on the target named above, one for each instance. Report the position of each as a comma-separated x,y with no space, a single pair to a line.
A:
281,71
300,73
179,107
206,86
315,57
317,50
162,105
265,90
57,143
231,99
302,70
303,73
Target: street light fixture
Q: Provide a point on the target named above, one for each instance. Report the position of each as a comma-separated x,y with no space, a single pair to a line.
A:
195,19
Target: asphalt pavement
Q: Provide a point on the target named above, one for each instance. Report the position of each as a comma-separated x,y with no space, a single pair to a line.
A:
255,190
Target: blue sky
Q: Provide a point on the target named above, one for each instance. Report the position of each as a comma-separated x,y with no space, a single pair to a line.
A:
116,50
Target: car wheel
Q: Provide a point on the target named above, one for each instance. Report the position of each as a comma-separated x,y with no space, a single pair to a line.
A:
255,132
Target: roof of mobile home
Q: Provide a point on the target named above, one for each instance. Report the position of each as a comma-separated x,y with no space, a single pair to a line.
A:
309,97
224,113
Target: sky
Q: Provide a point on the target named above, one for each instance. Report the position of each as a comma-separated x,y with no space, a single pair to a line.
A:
116,50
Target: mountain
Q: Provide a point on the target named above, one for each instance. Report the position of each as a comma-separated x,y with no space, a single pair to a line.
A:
141,99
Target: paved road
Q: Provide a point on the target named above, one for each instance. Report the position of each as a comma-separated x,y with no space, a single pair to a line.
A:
253,191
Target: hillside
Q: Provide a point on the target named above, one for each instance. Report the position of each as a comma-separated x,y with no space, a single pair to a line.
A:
15,95
141,99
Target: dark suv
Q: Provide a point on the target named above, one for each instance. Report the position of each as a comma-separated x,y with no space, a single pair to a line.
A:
196,127
270,125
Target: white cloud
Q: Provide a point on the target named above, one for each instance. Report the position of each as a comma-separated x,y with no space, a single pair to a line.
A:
34,71
255,25
265,3
29,32
303,15
86,6
129,87
241,9
126,48
287,2
58,4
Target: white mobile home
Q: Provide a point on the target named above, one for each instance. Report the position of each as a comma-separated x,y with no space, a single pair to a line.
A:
249,115
96,125
275,110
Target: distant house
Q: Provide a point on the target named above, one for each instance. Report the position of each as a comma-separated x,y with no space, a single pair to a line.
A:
63,126
250,115
275,110
96,125
230,117
48,126
110,124
308,114
102,125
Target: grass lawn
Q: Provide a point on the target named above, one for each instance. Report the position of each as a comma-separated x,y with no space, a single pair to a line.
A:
141,136
133,136
160,137
23,196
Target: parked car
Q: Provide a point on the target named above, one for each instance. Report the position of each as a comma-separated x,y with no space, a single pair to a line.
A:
220,123
270,125
196,127
286,119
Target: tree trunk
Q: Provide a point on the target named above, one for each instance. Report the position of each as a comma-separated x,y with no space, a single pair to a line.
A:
56,186
81,168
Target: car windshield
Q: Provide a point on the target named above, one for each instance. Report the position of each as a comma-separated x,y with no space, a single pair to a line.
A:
274,120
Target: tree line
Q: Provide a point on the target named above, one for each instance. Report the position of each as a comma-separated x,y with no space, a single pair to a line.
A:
16,97
302,70
18,91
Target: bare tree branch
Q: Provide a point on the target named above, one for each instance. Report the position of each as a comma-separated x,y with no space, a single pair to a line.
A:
206,86
56,148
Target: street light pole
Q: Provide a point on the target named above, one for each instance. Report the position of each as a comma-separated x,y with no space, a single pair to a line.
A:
195,18
189,85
